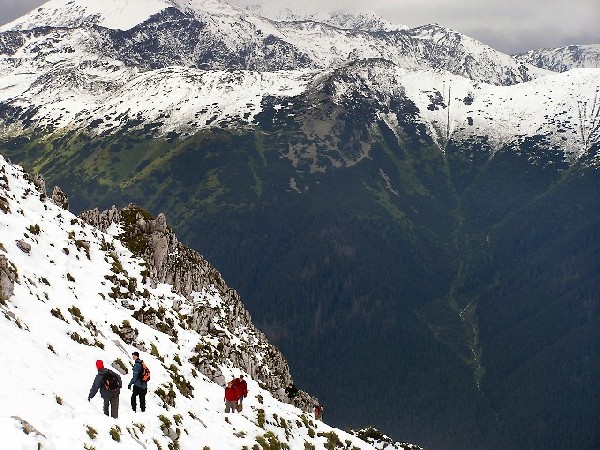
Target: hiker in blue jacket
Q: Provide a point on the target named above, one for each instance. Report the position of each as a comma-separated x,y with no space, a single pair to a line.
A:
109,389
140,387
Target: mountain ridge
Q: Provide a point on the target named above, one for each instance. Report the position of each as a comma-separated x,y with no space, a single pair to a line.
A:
66,80
191,348
563,58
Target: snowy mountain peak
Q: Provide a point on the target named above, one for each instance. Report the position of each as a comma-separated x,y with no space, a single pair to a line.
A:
215,65
113,14
363,21
116,14
563,58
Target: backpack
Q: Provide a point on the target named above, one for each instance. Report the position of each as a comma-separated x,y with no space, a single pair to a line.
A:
144,374
112,381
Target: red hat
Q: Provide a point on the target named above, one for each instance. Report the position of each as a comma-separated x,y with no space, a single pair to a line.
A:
99,364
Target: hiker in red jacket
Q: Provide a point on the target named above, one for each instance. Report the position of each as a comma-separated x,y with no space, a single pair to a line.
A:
319,412
235,384
242,391
230,398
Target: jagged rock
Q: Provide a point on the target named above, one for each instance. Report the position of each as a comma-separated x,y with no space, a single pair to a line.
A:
115,365
4,207
24,246
83,244
170,433
126,332
101,220
190,274
212,373
3,179
27,427
38,181
153,318
60,198
8,277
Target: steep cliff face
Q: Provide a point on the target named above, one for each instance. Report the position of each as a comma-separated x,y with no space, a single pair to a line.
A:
170,262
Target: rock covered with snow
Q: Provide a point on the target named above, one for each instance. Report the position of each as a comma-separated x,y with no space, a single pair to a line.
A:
191,276
8,277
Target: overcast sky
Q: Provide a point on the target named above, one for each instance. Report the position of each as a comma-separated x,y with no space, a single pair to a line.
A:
508,25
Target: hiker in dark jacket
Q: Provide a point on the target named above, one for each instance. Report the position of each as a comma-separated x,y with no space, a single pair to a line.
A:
140,387
291,391
110,397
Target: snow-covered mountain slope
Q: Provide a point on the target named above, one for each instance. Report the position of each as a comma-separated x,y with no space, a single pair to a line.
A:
356,21
185,100
366,21
168,63
71,294
563,58
214,35
114,14
547,106
185,65
174,98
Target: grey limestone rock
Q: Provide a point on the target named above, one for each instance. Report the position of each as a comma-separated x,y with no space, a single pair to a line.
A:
24,246
27,427
171,262
38,181
8,278
60,198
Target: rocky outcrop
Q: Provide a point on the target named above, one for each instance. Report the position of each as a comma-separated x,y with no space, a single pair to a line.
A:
24,246
4,206
8,278
28,428
38,181
60,198
191,276
169,261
